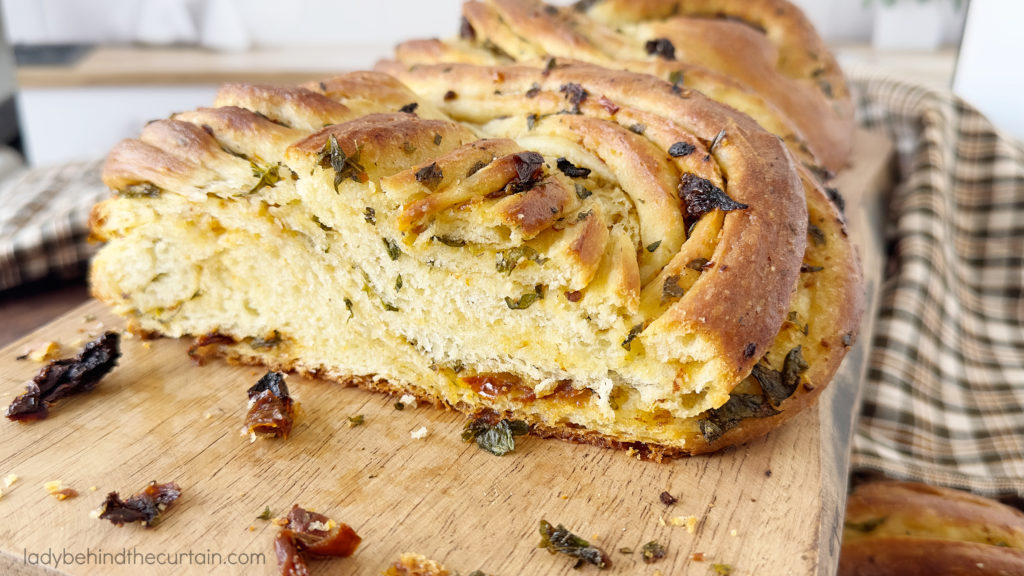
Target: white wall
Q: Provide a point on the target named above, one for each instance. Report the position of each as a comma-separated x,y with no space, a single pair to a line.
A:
984,76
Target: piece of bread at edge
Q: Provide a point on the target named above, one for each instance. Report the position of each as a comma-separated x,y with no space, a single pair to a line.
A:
911,529
551,251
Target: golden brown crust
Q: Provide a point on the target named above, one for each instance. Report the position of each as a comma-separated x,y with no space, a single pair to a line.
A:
762,57
907,528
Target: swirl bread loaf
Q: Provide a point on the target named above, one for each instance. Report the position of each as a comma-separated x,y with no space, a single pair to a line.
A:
910,529
602,254
761,57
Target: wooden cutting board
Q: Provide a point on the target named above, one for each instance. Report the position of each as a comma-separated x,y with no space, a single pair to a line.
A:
773,506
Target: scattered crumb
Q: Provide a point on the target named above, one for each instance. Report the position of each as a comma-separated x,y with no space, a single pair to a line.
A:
43,352
89,318
408,400
658,573
95,514
630,452
92,488
697,557
252,528
280,521
419,434
57,490
689,521
733,532
564,496
668,499
10,479
661,520
207,416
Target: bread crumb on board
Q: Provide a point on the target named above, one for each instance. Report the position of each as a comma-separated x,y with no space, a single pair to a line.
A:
419,434
42,351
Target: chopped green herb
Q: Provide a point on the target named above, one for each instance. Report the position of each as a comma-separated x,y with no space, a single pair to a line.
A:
266,341
523,302
437,139
370,215
582,192
345,166
498,439
697,264
266,514
633,333
388,307
430,175
408,147
507,260
141,190
720,420
653,246
867,525
571,170
393,250
671,289
637,128
267,177
723,569
398,283
348,306
450,241
680,149
476,167
817,236
322,226
661,47
357,420
557,539
575,94
652,552
625,550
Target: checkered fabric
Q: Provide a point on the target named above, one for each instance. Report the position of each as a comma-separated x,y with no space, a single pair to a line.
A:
944,396
44,215
943,400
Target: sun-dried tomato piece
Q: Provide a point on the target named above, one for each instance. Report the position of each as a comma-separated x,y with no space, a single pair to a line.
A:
62,378
271,409
311,534
207,345
144,507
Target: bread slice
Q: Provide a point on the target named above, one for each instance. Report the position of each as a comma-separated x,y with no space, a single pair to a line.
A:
597,253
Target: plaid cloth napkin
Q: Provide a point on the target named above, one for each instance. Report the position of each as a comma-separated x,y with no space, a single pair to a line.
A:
943,401
944,398
44,216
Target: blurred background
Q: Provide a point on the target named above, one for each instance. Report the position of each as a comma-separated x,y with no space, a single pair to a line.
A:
76,76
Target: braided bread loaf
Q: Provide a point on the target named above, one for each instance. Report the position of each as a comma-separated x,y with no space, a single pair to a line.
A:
761,57
609,257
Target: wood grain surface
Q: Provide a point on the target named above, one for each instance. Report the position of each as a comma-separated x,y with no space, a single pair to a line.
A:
771,507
